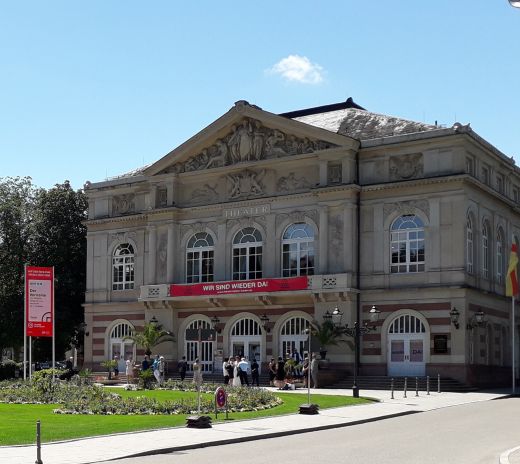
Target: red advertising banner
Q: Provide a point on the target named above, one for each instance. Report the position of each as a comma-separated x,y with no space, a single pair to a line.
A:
239,286
39,301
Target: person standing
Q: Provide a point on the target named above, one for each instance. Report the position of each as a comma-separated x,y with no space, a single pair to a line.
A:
182,366
225,372
314,371
230,371
236,373
297,360
145,365
243,365
155,369
161,367
116,367
128,370
255,374
272,372
280,373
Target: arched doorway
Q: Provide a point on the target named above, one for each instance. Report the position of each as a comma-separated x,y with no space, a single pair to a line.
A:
119,346
246,339
293,336
198,343
407,341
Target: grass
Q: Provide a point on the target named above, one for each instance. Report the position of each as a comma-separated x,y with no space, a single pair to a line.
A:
18,421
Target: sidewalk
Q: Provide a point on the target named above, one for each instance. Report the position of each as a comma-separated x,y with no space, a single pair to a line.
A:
88,450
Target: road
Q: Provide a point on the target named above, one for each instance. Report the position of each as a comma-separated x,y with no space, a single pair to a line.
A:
473,433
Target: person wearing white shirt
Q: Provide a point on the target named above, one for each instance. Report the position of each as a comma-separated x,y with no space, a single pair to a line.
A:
244,368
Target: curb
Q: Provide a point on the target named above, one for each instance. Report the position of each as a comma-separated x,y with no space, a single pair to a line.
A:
260,437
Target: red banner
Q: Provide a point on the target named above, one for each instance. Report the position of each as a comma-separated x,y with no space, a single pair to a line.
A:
39,301
239,286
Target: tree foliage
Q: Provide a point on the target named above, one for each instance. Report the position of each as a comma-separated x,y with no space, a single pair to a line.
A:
327,334
151,336
40,227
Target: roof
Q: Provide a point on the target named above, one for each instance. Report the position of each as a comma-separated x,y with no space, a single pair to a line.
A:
354,121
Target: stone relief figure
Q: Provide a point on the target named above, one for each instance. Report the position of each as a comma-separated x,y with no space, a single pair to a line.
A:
246,184
206,193
406,166
249,141
291,183
123,204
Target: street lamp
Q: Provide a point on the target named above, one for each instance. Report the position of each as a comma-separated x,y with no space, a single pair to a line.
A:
215,321
309,408
355,332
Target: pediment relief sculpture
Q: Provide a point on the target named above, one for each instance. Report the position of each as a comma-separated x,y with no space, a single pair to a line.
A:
246,184
249,141
406,166
292,183
123,204
205,194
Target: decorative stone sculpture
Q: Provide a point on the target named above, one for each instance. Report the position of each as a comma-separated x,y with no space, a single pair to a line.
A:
246,184
406,166
123,204
292,183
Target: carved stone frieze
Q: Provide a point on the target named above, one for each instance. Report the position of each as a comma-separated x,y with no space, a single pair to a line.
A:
405,167
205,194
122,237
247,222
198,227
297,216
246,184
249,141
407,207
123,204
292,183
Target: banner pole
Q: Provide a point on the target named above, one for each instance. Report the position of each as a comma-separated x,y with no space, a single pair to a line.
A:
30,358
25,322
53,317
513,342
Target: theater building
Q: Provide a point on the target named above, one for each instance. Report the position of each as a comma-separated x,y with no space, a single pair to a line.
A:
261,223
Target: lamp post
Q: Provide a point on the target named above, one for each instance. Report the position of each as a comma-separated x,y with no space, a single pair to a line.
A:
355,332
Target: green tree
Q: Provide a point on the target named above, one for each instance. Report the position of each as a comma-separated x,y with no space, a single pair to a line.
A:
327,334
58,239
17,198
151,335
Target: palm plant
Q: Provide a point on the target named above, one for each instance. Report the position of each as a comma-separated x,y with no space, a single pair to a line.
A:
151,336
327,334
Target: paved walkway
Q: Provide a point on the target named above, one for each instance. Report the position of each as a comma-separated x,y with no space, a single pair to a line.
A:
89,450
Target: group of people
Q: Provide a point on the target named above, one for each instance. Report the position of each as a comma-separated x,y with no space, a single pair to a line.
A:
236,371
158,367
283,372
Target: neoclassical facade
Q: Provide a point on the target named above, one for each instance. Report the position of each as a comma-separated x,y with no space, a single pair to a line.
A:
260,223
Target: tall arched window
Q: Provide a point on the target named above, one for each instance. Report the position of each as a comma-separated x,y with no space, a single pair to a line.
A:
500,256
121,348
407,244
199,339
123,267
293,336
298,250
469,246
199,258
247,254
485,251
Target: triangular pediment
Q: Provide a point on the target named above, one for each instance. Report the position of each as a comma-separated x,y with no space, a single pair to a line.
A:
245,134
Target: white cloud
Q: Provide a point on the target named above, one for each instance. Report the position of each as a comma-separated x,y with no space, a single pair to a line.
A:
298,68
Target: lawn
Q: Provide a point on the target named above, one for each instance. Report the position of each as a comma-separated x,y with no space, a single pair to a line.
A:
18,421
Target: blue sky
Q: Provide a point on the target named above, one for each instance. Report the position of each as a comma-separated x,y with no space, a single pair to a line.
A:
94,89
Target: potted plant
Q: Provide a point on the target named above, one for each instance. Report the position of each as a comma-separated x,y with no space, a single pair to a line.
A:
327,334
109,365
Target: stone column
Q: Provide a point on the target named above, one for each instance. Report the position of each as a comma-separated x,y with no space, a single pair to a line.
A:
271,248
152,252
324,239
170,253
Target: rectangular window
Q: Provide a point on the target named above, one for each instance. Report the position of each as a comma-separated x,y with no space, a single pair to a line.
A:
485,175
500,183
470,166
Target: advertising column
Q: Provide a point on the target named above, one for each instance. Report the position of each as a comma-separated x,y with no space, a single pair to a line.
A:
39,305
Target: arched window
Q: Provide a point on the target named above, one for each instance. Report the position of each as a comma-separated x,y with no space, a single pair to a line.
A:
246,327
199,258
469,246
500,257
199,339
298,250
121,348
407,244
123,267
247,254
485,251
406,324
293,336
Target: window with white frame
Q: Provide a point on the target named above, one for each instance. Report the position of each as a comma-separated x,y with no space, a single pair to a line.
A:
298,250
123,267
469,246
485,251
247,254
293,336
199,258
407,244
500,256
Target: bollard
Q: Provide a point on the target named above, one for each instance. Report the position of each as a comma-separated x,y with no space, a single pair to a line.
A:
416,386
405,386
428,385
438,383
38,444
392,388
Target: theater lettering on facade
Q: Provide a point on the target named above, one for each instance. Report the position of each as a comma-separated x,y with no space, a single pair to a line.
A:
240,237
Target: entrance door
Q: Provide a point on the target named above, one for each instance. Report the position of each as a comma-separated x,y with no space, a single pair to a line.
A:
407,340
246,340
120,346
